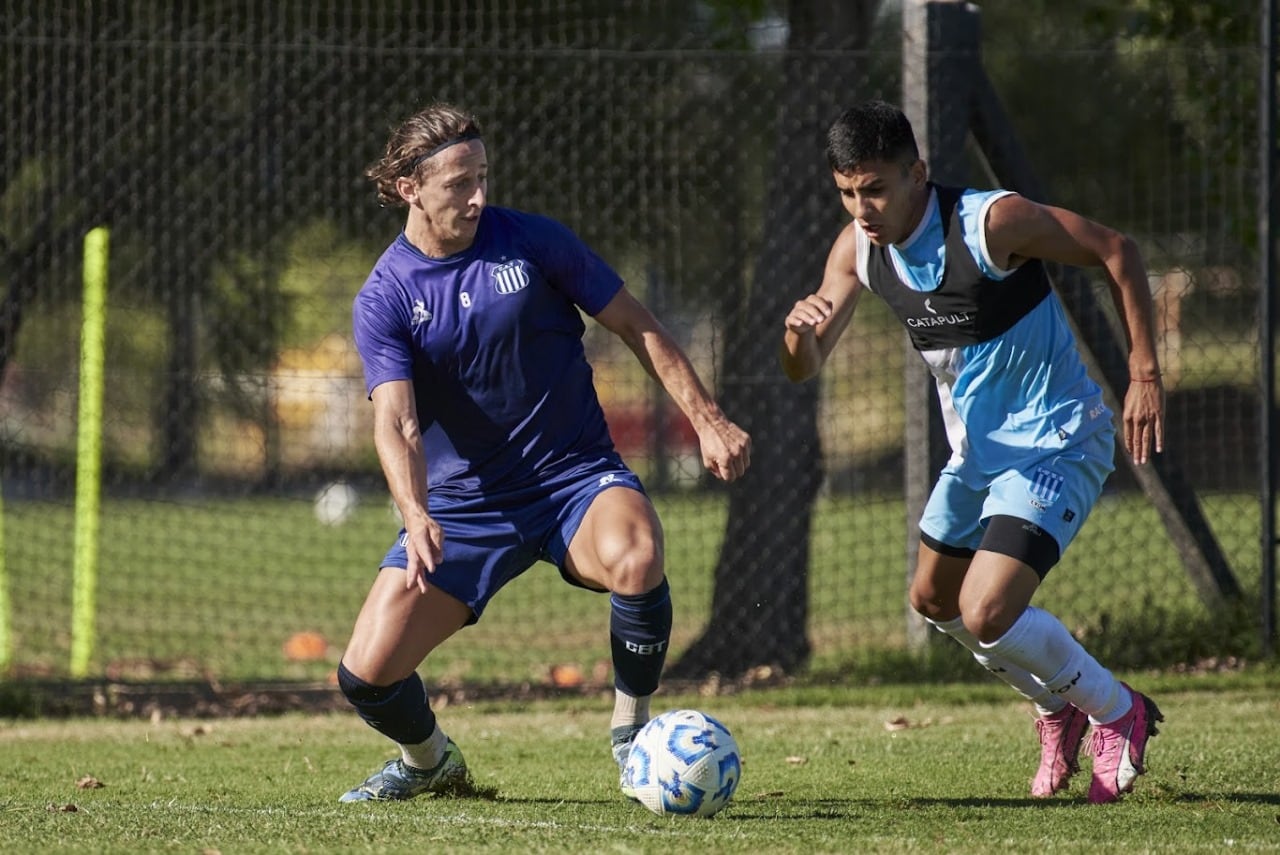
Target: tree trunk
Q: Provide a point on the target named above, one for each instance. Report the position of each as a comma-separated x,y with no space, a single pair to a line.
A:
760,605
179,416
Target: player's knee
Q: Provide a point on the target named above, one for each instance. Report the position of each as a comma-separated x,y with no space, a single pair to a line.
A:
921,601
637,571
928,602
357,690
987,622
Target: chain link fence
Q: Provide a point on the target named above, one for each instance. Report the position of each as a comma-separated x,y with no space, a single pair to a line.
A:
243,511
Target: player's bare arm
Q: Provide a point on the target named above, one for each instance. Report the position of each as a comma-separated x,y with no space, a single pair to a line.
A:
397,438
816,322
1018,229
726,448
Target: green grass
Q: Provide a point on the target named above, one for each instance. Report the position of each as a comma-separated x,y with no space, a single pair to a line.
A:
213,589
822,773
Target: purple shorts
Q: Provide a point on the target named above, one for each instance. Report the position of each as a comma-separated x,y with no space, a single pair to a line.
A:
491,539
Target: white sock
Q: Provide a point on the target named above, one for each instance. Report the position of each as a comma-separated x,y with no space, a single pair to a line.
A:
628,709
426,754
1039,643
1022,681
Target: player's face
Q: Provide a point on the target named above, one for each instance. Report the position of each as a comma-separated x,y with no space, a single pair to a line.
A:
886,198
453,194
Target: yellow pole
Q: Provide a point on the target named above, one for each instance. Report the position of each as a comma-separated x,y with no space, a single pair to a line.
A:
89,452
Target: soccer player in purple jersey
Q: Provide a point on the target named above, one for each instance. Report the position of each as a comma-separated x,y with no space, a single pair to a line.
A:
1032,441
493,442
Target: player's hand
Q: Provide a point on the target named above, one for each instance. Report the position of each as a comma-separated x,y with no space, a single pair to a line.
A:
807,314
424,545
1144,419
726,449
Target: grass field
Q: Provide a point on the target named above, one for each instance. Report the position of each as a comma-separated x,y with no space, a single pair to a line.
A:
213,589
822,773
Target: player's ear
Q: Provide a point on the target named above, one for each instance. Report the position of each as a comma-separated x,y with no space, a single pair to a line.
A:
407,188
919,173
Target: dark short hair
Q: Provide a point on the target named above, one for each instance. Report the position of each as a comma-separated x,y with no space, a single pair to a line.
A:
873,131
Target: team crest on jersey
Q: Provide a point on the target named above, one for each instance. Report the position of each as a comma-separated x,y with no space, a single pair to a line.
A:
510,277
1047,485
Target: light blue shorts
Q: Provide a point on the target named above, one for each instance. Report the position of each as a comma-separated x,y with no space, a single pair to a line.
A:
491,539
1056,494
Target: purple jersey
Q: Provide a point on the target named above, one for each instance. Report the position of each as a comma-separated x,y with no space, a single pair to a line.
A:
492,340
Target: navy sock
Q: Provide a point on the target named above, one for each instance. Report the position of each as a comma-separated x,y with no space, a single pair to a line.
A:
639,632
399,711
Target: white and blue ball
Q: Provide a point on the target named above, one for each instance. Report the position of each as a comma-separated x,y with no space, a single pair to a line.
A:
335,503
683,762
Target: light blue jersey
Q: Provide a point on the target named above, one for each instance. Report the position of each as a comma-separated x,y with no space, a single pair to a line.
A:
1010,400
1030,436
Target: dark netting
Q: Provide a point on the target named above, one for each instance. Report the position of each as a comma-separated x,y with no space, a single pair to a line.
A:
243,510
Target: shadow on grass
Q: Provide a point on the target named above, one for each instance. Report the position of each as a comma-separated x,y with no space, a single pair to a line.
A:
842,809
472,790
1241,798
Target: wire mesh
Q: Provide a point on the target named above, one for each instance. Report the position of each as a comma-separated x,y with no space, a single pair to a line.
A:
223,144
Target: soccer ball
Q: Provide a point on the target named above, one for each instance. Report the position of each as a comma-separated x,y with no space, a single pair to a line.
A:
335,503
683,762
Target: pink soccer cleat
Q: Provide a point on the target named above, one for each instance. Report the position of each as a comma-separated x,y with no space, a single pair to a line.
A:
1060,737
1120,747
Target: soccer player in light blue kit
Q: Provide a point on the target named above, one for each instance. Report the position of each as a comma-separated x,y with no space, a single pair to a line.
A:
493,442
1031,440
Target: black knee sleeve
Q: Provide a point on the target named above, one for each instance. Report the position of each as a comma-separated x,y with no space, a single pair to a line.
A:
400,711
639,632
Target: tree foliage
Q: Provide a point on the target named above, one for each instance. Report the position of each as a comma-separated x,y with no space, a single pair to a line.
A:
1156,82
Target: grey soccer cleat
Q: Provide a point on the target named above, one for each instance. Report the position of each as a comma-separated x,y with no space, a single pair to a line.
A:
396,781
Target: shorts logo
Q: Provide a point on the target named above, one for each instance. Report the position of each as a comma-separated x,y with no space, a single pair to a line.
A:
510,277
606,480
1046,485
1068,515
